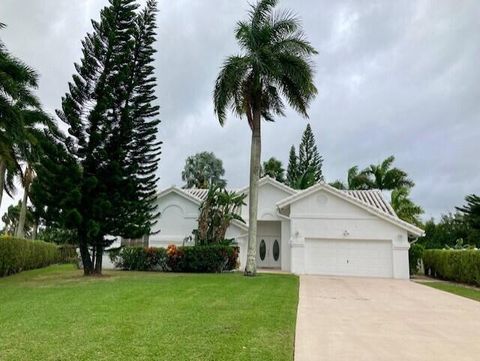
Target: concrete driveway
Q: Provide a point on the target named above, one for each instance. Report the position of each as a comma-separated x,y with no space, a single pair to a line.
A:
359,319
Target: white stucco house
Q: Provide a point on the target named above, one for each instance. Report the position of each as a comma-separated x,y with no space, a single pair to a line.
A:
320,230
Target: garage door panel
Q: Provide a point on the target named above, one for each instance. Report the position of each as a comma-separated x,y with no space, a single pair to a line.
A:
368,258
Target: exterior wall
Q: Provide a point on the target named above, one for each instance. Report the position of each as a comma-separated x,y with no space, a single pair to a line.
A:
177,220
268,197
285,246
326,216
241,237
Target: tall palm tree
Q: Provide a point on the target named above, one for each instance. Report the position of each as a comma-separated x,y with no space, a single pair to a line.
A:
17,82
384,177
274,65
37,128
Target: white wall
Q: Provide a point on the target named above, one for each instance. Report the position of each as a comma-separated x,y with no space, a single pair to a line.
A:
268,197
177,220
323,215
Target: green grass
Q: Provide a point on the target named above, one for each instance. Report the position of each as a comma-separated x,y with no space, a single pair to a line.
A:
57,314
459,290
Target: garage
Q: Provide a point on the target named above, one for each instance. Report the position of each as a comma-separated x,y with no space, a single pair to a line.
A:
340,257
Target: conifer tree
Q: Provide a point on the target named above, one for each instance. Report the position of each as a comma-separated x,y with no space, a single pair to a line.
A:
103,182
309,160
292,168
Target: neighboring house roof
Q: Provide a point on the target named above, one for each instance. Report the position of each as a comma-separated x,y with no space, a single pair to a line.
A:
370,200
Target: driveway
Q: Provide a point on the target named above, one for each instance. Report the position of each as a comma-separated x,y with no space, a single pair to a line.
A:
359,319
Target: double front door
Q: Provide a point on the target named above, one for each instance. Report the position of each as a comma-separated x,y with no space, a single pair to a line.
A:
268,252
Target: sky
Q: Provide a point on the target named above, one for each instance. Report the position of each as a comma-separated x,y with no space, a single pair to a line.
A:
394,78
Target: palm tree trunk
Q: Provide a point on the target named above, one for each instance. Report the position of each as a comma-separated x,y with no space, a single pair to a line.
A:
35,229
255,153
3,172
23,214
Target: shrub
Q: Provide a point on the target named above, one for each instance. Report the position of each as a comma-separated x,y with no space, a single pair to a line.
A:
212,258
453,265
209,258
68,253
139,258
18,255
414,256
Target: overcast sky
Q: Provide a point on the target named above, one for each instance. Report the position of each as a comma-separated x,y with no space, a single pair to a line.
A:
399,78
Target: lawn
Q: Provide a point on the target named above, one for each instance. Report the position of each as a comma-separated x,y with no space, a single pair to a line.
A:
459,290
57,314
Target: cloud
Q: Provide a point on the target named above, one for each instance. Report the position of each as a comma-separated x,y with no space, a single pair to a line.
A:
394,78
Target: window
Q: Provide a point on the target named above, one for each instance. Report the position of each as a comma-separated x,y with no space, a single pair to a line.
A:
263,249
276,250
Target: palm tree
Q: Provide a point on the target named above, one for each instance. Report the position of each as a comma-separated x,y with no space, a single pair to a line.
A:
203,170
274,169
37,128
274,66
384,177
17,81
404,206
355,180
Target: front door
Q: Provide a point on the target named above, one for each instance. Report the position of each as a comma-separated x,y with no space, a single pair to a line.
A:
268,252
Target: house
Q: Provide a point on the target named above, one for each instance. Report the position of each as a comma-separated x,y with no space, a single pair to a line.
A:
320,230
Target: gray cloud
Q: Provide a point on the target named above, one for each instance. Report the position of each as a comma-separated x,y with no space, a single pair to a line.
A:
394,78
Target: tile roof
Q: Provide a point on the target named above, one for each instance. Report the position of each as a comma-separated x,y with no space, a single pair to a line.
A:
199,193
372,198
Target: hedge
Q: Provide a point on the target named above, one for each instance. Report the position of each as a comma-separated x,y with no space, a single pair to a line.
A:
453,265
18,255
209,258
415,254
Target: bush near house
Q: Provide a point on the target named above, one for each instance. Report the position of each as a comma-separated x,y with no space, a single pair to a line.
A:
135,258
414,256
453,265
18,255
210,258
202,259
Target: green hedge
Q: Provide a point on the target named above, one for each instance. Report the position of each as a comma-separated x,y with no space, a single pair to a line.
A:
415,254
211,258
453,265
18,255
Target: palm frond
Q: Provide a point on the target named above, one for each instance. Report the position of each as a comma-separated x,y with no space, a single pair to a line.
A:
228,85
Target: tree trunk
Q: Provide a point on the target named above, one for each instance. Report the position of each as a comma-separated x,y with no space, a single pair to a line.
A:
3,172
255,153
23,213
35,229
98,262
85,254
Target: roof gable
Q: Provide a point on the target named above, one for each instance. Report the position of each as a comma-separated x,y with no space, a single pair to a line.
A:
179,192
269,180
371,201
195,196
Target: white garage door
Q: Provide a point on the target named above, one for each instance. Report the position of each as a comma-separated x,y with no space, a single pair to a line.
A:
348,258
